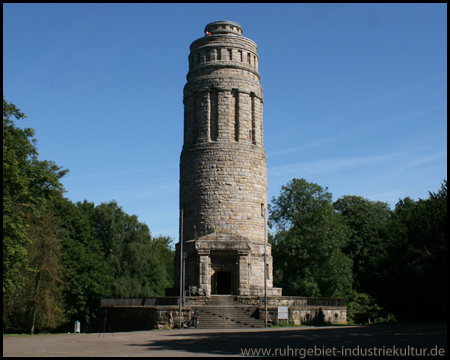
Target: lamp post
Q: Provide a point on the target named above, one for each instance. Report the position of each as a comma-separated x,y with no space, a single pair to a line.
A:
264,213
184,276
181,266
265,267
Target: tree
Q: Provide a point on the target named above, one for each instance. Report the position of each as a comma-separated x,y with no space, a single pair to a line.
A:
415,267
165,253
86,275
31,268
17,150
368,221
47,272
308,242
36,302
139,265
60,259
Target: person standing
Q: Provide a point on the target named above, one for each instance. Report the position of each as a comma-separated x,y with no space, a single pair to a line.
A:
170,321
195,316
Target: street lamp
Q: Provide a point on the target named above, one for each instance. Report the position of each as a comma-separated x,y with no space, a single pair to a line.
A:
264,214
184,275
181,265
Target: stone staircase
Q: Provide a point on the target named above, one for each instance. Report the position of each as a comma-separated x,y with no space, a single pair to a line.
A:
223,312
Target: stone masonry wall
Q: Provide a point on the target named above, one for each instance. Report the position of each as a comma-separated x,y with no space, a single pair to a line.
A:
224,188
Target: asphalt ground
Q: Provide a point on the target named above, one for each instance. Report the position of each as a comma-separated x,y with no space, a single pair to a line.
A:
347,341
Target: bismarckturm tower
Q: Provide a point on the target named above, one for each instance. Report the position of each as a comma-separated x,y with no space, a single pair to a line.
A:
223,171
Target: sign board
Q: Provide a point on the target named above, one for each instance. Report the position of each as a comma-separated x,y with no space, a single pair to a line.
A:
283,313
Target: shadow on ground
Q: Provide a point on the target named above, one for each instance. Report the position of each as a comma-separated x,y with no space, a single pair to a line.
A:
432,337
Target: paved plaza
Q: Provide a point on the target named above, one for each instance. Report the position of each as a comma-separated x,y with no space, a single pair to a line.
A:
373,340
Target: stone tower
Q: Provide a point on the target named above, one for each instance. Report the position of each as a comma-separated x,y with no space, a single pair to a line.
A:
223,171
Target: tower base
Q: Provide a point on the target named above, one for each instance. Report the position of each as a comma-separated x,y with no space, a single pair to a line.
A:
222,264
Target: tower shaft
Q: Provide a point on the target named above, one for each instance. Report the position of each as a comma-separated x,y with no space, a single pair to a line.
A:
223,171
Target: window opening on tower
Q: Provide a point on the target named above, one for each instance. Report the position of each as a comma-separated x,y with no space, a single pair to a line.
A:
235,94
214,114
253,130
195,117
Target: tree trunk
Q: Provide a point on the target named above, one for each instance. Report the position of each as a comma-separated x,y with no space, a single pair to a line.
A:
35,303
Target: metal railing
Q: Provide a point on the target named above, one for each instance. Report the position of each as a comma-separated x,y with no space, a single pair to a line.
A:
148,301
325,301
304,301
252,308
174,300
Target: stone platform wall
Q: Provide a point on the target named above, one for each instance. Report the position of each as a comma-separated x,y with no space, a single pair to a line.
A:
138,318
307,315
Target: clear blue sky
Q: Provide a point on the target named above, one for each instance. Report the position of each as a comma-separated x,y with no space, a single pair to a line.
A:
355,95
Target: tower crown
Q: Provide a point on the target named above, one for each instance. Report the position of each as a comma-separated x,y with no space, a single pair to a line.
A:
221,49
224,28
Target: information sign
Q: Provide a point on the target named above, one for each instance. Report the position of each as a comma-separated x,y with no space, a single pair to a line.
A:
283,313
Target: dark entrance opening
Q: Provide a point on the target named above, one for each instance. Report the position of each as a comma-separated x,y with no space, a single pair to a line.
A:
223,279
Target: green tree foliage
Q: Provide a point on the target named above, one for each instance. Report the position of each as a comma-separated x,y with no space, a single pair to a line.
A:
46,272
61,259
139,264
164,252
414,271
36,302
86,275
368,221
18,148
31,250
398,259
308,242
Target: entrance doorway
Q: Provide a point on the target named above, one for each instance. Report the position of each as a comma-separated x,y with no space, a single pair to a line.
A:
225,278
222,282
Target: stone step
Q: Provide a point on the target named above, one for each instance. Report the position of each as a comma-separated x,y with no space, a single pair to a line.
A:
222,300
209,324
223,312
226,325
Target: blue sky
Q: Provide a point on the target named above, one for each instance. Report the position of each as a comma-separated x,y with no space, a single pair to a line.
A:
355,95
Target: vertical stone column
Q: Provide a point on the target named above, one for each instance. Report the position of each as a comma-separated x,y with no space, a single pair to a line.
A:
224,115
269,262
257,113
261,127
245,111
244,272
204,261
